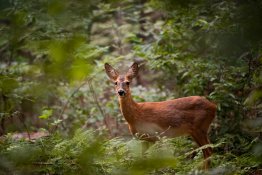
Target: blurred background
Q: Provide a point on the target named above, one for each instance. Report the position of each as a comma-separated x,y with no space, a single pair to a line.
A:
55,97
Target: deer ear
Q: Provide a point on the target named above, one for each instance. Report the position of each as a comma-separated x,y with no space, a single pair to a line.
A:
111,72
132,71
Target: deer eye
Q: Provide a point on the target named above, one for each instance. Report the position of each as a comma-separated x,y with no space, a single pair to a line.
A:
127,83
115,83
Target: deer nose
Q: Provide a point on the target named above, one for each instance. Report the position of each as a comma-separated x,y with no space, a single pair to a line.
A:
121,92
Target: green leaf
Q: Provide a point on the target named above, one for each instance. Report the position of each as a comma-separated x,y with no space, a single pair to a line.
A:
8,84
46,114
56,122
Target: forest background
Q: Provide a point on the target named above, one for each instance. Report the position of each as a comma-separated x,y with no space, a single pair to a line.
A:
58,110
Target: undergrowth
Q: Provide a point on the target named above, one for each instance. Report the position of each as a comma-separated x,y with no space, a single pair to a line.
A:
87,152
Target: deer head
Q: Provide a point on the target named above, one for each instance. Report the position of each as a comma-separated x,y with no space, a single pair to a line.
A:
122,82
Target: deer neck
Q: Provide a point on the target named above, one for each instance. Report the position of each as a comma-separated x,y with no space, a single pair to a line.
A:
129,108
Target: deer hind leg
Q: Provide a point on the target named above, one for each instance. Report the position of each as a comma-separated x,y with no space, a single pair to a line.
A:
202,139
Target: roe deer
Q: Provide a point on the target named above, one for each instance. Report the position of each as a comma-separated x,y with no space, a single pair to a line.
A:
183,116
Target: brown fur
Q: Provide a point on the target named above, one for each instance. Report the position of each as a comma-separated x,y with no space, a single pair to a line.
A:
149,120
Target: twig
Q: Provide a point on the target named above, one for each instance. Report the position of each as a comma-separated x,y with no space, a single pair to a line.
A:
47,163
95,98
69,98
67,102
20,115
204,147
165,131
147,136
98,105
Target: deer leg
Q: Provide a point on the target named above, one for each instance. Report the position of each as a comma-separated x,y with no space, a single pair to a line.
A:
202,139
208,152
209,149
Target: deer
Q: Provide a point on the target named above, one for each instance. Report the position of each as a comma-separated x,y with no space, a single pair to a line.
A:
189,116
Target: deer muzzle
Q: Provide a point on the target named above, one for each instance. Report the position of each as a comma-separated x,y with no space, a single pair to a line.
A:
121,93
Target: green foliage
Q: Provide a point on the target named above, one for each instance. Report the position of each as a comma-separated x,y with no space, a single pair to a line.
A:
46,114
210,51
87,152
